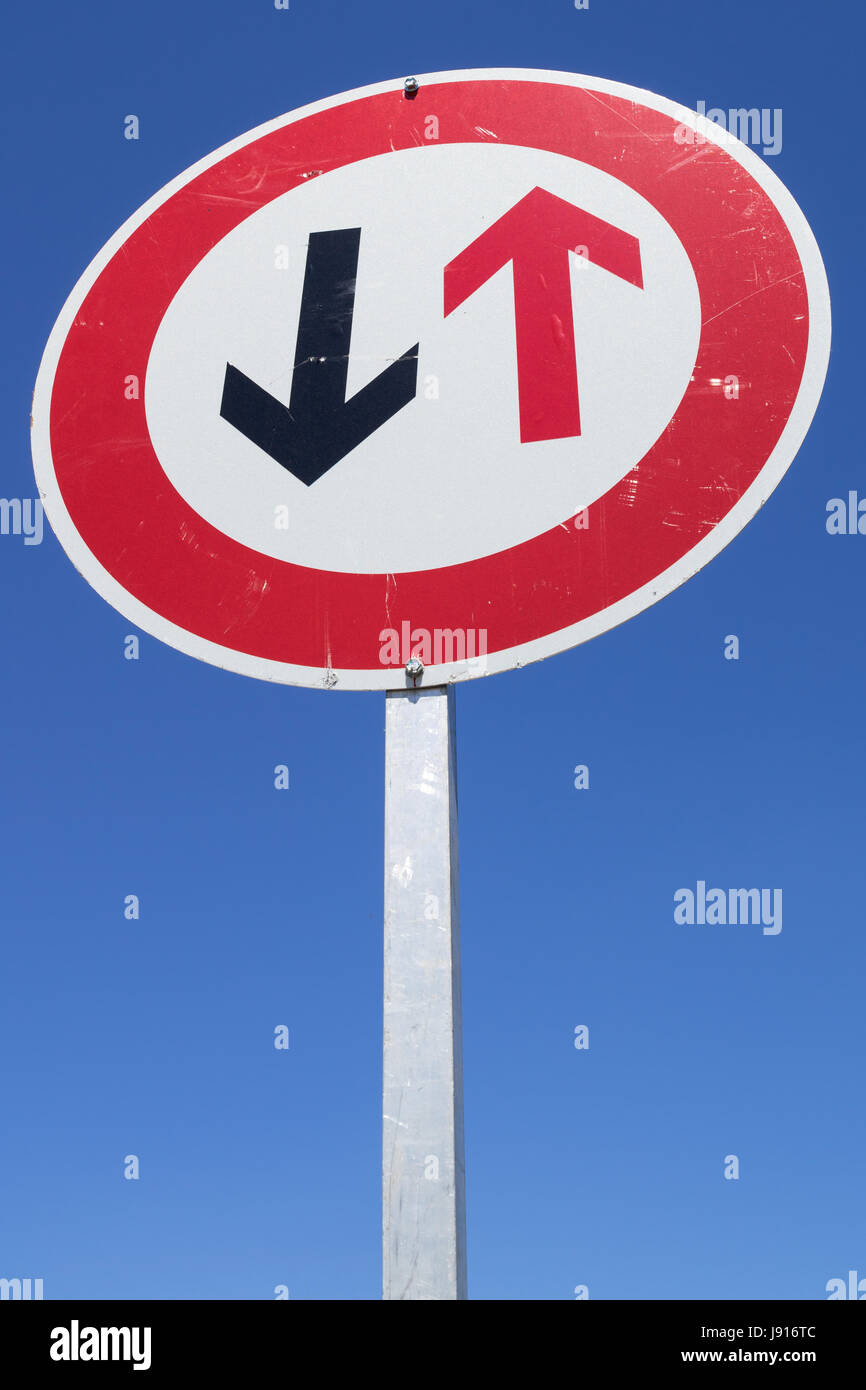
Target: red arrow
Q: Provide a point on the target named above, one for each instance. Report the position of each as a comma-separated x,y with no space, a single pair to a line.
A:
537,235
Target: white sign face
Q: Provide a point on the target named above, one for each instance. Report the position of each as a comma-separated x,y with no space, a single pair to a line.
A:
392,506
468,377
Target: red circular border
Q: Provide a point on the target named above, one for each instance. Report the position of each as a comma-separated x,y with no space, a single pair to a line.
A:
755,323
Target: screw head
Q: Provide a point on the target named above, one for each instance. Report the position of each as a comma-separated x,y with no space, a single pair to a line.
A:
410,86
414,667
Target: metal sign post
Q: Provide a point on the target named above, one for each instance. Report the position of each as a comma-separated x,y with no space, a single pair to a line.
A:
423,1190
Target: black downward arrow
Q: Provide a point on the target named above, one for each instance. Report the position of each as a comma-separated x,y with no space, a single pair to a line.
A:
320,426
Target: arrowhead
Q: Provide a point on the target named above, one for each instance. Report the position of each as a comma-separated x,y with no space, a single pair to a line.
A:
310,440
539,223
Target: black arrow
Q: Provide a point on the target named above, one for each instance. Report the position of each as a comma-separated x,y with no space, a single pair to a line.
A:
320,426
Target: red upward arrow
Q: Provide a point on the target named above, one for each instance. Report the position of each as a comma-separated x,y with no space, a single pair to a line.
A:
537,235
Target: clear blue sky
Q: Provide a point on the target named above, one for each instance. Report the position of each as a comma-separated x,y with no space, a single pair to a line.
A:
258,907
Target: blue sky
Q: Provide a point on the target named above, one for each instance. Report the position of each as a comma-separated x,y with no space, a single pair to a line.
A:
155,777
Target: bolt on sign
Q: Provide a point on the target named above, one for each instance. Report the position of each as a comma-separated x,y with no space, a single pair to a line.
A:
466,372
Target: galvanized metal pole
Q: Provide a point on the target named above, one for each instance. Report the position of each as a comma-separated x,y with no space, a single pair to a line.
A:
423,1181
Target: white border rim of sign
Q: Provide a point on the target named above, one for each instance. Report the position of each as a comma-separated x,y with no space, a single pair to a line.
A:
511,658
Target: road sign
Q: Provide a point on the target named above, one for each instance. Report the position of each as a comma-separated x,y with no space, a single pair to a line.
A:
450,375
471,375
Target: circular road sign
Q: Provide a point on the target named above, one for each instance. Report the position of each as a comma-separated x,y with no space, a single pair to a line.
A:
469,375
